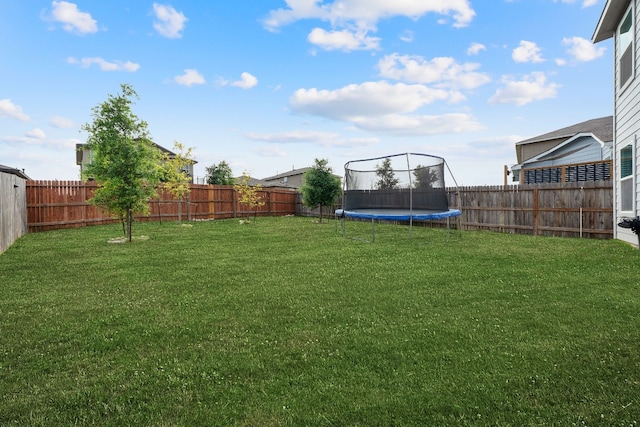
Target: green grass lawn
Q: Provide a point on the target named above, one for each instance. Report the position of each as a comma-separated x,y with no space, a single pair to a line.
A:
283,322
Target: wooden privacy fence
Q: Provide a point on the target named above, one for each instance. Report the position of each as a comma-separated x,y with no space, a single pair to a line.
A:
582,209
577,209
64,204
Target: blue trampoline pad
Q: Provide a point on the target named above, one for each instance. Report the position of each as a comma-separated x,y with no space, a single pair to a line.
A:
398,214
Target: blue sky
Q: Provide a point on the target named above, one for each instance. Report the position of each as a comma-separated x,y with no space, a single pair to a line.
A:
270,85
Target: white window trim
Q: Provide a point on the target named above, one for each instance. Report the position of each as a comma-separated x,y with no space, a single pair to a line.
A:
618,55
631,177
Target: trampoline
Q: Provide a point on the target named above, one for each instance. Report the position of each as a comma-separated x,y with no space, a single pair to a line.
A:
399,187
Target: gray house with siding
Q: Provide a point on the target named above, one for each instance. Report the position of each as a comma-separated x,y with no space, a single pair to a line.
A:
291,179
580,152
619,20
84,157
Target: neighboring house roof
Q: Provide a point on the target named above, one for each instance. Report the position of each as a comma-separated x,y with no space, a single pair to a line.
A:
14,171
609,20
602,128
255,181
292,172
555,152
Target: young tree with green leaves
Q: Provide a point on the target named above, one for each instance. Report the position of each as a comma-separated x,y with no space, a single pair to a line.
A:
320,186
124,159
249,195
386,176
219,174
175,175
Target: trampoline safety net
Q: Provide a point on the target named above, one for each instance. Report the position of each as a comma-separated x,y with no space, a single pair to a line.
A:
408,181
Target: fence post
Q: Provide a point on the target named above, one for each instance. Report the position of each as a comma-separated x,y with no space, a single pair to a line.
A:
235,202
212,205
535,211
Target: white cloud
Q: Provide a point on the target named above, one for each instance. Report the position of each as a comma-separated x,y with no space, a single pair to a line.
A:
532,87
104,64
416,125
582,49
247,81
189,78
12,111
343,40
476,48
72,19
61,122
444,72
352,21
169,22
325,139
292,137
367,13
527,52
36,133
585,3
366,99
382,107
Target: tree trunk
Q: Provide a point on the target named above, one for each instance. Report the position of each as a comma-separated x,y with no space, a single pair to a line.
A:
320,222
129,221
180,211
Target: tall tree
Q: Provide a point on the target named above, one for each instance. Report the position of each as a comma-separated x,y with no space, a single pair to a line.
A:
124,159
320,186
386,176
219,174
175,174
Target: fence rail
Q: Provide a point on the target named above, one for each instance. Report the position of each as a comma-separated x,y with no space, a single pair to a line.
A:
64,204
577,209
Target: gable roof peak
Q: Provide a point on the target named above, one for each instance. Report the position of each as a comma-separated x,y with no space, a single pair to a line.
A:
601,128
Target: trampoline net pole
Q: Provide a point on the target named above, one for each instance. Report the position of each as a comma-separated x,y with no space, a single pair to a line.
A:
410,198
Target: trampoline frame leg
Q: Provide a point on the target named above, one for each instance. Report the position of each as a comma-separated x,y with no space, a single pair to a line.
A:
373,230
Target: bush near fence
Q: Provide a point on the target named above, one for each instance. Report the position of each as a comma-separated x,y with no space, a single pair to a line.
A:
583,209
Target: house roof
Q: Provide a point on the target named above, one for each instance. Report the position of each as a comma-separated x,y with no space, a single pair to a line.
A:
601,128
14,171
292,172
609,19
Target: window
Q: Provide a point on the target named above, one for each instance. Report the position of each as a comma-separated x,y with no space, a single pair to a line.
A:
626,178
625,51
